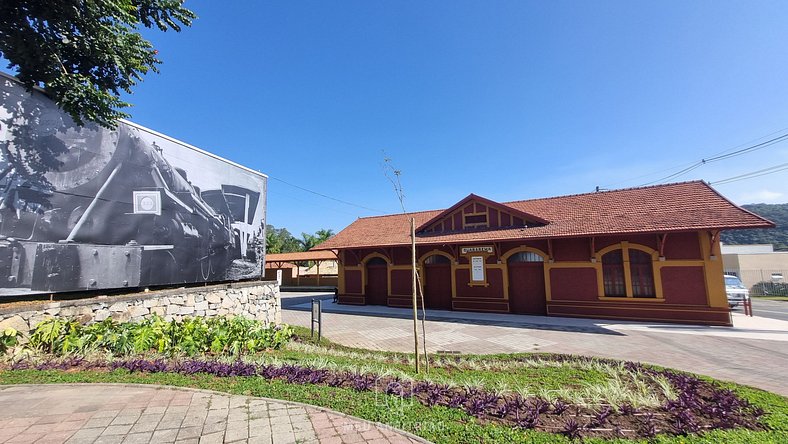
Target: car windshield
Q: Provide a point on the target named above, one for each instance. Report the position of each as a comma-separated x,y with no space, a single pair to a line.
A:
732,280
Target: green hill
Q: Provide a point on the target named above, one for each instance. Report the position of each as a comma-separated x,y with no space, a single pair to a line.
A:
777,213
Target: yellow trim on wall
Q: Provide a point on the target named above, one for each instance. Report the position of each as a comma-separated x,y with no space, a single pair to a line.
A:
341,271
713,271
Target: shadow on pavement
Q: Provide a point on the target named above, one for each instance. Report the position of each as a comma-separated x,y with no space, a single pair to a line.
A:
303,303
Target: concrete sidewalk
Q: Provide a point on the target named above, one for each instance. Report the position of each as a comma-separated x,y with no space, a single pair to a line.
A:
755,352
119,413
744,327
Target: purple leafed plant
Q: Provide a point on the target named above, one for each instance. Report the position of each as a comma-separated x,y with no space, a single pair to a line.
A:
699,405
559,406
571,429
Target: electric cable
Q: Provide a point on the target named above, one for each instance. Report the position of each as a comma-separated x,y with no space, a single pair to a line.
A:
752,174
731,152
326,196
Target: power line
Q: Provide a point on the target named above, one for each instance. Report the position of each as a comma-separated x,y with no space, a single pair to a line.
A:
692,165
719,157
326,196
752,174
326,206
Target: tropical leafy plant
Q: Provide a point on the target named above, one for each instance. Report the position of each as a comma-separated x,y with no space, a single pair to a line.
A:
8,338
233,336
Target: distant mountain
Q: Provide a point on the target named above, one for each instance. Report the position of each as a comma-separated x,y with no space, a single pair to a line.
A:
777,213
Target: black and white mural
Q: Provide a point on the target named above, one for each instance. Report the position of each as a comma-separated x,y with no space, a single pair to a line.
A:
88,208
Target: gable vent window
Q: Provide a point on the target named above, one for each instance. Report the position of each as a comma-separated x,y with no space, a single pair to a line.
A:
475,220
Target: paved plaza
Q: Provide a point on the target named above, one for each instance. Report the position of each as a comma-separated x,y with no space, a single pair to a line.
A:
754,352
113,413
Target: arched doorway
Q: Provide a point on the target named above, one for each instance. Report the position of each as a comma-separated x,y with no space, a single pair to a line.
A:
377,281
526,283
437,282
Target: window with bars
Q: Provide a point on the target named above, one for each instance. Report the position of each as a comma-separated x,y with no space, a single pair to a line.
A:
642,274
525,256
613,274
437,259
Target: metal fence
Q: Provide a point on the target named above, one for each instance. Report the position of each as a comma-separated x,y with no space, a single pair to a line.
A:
764,282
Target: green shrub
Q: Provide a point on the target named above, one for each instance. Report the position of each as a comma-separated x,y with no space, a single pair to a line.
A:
8,338
233,336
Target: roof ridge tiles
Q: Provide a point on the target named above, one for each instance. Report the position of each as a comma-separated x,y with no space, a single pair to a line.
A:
617,190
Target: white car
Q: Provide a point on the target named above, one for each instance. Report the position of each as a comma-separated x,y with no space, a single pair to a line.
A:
737,292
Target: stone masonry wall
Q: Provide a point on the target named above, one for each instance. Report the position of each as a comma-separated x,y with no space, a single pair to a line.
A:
255,300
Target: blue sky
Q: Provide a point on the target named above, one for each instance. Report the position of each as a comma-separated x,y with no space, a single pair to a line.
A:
508,100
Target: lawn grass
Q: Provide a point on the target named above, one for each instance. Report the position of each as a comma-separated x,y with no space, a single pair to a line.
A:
438,424
772,298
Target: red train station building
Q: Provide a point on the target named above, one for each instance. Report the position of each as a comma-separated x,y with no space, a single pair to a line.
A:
650,253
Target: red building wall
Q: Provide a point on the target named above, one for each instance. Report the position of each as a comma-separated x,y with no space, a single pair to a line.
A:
573,291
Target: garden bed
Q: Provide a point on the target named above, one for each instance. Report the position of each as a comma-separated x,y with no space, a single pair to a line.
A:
500,398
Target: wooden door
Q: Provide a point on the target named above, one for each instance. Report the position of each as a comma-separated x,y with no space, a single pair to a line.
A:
377,282
526,288
437,286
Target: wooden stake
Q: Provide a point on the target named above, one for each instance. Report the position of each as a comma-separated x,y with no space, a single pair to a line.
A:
415,308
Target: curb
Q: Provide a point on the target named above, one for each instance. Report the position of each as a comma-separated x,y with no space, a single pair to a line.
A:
213,392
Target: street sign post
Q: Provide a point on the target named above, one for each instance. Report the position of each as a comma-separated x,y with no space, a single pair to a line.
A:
317,315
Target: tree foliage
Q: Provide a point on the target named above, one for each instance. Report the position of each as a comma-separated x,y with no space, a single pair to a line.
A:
778,236
85,54
279,240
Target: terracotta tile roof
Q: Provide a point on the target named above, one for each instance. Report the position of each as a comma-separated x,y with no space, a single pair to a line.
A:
275,265
326,255
685,206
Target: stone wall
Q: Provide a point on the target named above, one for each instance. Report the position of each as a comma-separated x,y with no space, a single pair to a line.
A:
255,300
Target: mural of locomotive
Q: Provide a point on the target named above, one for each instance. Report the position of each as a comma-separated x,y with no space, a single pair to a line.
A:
88,208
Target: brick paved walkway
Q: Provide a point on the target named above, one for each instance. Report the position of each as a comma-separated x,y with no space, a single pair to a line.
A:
109,413
743,355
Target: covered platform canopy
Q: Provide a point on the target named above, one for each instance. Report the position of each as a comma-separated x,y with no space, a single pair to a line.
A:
284,260
301,256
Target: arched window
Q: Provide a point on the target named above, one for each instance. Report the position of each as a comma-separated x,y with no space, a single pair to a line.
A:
642,274
525,256
436,259
613,274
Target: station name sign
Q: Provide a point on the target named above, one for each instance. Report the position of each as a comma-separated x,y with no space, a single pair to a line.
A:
483,249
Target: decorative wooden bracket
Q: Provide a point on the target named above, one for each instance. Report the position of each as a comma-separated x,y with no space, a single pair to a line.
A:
355,255
592,246
661,239
550,250
455,252
714,238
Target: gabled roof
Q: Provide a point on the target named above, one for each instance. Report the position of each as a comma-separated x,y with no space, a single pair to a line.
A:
474,198
685,206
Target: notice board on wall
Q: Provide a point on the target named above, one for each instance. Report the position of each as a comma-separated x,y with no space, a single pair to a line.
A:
477,269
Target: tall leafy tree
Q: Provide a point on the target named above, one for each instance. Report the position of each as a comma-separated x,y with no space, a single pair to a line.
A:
279,240
85,53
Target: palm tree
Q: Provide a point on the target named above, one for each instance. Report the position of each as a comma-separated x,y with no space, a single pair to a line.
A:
323,235
307,241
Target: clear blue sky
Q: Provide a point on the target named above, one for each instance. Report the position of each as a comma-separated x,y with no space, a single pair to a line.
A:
506,99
